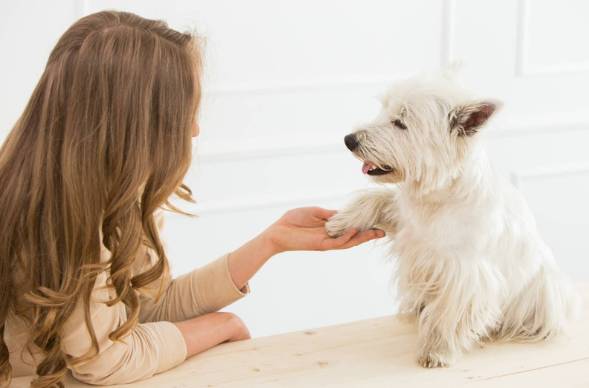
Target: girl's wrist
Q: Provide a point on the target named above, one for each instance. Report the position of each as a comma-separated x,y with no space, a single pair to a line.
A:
246,260
269,242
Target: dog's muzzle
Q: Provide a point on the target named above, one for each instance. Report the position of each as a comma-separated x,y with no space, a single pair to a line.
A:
368,167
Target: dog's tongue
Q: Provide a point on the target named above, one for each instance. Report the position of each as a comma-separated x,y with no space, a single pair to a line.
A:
367,166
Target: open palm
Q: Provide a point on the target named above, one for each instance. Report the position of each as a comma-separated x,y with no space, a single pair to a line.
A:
303,229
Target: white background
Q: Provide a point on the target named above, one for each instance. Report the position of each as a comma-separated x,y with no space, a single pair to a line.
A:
286,80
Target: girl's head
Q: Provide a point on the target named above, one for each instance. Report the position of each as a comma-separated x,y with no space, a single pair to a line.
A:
103,143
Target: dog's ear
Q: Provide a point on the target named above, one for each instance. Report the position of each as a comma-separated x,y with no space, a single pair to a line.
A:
467,119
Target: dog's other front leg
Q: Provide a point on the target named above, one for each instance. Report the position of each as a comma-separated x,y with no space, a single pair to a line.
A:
441,338
375,208
461,308
435,350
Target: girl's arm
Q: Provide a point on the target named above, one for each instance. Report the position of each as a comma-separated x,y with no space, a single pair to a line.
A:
300,229
209,330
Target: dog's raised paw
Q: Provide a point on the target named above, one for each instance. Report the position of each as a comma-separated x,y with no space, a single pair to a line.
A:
336,226
334,229
431,360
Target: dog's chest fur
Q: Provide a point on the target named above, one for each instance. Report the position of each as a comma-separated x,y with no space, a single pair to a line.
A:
447,228
458,230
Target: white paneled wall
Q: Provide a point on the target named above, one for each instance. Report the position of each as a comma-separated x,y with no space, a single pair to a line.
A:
286,80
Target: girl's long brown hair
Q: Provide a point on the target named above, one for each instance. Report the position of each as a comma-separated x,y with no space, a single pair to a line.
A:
103,143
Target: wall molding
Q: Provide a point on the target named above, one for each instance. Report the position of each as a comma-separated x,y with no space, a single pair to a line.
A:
269,151
80,8
211,154
277,87
266,202
350,81
448,32
518,177
523,66
546,127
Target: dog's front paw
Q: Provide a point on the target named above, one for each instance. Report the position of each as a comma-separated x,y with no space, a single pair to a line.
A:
433,360
336,225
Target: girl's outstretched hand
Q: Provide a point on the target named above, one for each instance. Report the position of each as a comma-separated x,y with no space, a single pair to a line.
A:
303,229
300,229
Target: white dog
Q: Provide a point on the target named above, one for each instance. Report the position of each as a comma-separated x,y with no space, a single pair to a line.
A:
471,264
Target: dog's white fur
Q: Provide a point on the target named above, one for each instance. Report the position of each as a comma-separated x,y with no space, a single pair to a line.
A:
471,264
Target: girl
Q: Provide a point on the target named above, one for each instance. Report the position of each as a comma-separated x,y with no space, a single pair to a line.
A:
103,143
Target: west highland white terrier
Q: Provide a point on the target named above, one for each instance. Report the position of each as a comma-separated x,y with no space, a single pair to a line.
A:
471,264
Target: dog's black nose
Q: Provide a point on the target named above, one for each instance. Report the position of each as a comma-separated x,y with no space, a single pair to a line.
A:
351,142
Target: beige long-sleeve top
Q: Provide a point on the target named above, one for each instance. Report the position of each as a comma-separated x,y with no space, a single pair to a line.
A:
153,346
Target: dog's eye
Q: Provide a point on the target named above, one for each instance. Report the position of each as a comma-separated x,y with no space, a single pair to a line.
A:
399,124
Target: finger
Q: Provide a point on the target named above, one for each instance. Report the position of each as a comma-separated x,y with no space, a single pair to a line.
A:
363,237
322,213
335,243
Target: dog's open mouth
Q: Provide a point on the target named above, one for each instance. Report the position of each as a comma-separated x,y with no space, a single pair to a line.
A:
370,168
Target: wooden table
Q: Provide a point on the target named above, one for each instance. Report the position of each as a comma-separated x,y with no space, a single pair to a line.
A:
378,353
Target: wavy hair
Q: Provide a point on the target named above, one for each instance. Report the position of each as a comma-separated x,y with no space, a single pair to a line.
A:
102,144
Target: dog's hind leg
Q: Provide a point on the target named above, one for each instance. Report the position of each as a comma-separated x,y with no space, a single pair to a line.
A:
376,208
541,309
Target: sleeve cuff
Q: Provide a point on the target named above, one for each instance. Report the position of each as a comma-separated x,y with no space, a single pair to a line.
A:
240,292
214,287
